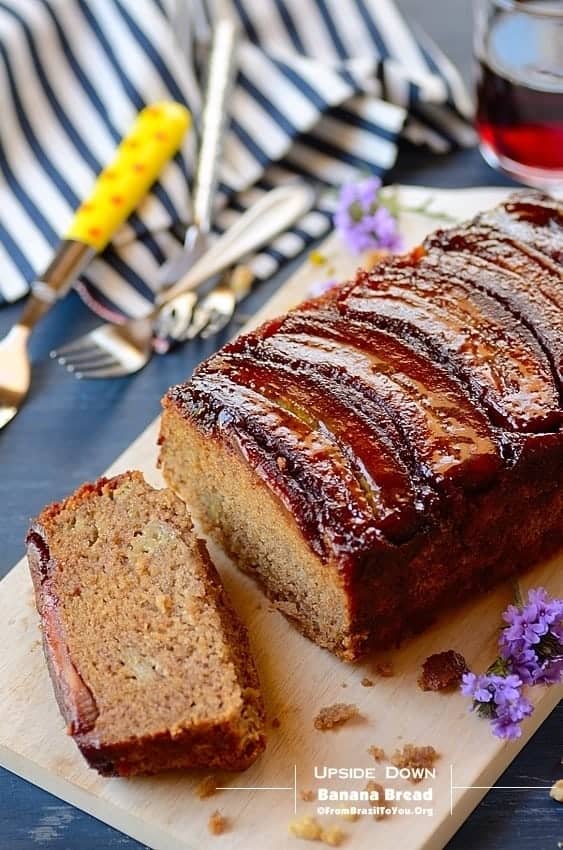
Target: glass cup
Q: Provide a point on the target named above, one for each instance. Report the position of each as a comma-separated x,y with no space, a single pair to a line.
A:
519,51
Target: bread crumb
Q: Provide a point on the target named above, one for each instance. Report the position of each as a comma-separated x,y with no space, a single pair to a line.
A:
366,683
415,757
385,669
556,791
376,753
207,787
376,786
333,836
442,671
335,715
163,603
276,723
306,828
307,796
217,824
344,684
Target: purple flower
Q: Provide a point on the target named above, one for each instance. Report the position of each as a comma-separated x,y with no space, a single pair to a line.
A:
363,221
532,642
498,698
319,287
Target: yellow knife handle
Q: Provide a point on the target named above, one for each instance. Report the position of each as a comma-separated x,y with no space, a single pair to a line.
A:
153,140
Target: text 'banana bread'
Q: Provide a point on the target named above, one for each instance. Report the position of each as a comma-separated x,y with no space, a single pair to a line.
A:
395,445
150,665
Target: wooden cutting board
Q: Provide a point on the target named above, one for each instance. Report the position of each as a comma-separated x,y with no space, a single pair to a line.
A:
298,678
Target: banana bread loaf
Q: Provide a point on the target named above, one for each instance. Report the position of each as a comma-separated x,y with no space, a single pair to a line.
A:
150,665
395,445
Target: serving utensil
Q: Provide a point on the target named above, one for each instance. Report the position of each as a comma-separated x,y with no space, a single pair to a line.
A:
154,138
222,64
111,351
216,309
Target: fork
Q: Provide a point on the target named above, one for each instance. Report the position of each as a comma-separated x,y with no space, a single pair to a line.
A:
217,308
112,351
154,138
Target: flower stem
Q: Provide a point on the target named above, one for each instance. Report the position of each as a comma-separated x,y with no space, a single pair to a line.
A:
517,593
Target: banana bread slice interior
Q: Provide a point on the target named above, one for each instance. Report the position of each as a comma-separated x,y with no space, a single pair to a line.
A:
150,664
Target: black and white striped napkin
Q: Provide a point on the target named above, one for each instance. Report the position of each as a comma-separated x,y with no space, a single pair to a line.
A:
325,89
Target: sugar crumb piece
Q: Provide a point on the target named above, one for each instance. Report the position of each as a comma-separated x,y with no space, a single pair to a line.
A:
380,790
207,787
385,669
366,683
276,723
335,715
556,791
332,836
377,753
306,828
415,757
217,824
307,796
442,671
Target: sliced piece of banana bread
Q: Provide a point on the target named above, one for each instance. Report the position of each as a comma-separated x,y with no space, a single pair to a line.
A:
150,665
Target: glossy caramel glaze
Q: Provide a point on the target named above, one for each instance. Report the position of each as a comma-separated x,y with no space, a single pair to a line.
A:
365,410
487,346
531,219
530,285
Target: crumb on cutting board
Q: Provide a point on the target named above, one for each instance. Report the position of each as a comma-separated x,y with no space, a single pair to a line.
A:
217,823
376,786
207,787
556,791
332,836
309,829
307,795
366,683
385,669
377,753
335,715
442,671
306,828
412,756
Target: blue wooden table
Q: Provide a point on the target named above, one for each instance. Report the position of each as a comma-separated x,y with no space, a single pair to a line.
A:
70,431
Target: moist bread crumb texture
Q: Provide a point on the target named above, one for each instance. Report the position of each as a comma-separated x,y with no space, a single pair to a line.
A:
150,665
415,758
442,671
395,446
335,715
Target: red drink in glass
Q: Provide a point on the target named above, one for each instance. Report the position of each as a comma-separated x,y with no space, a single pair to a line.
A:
519,48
